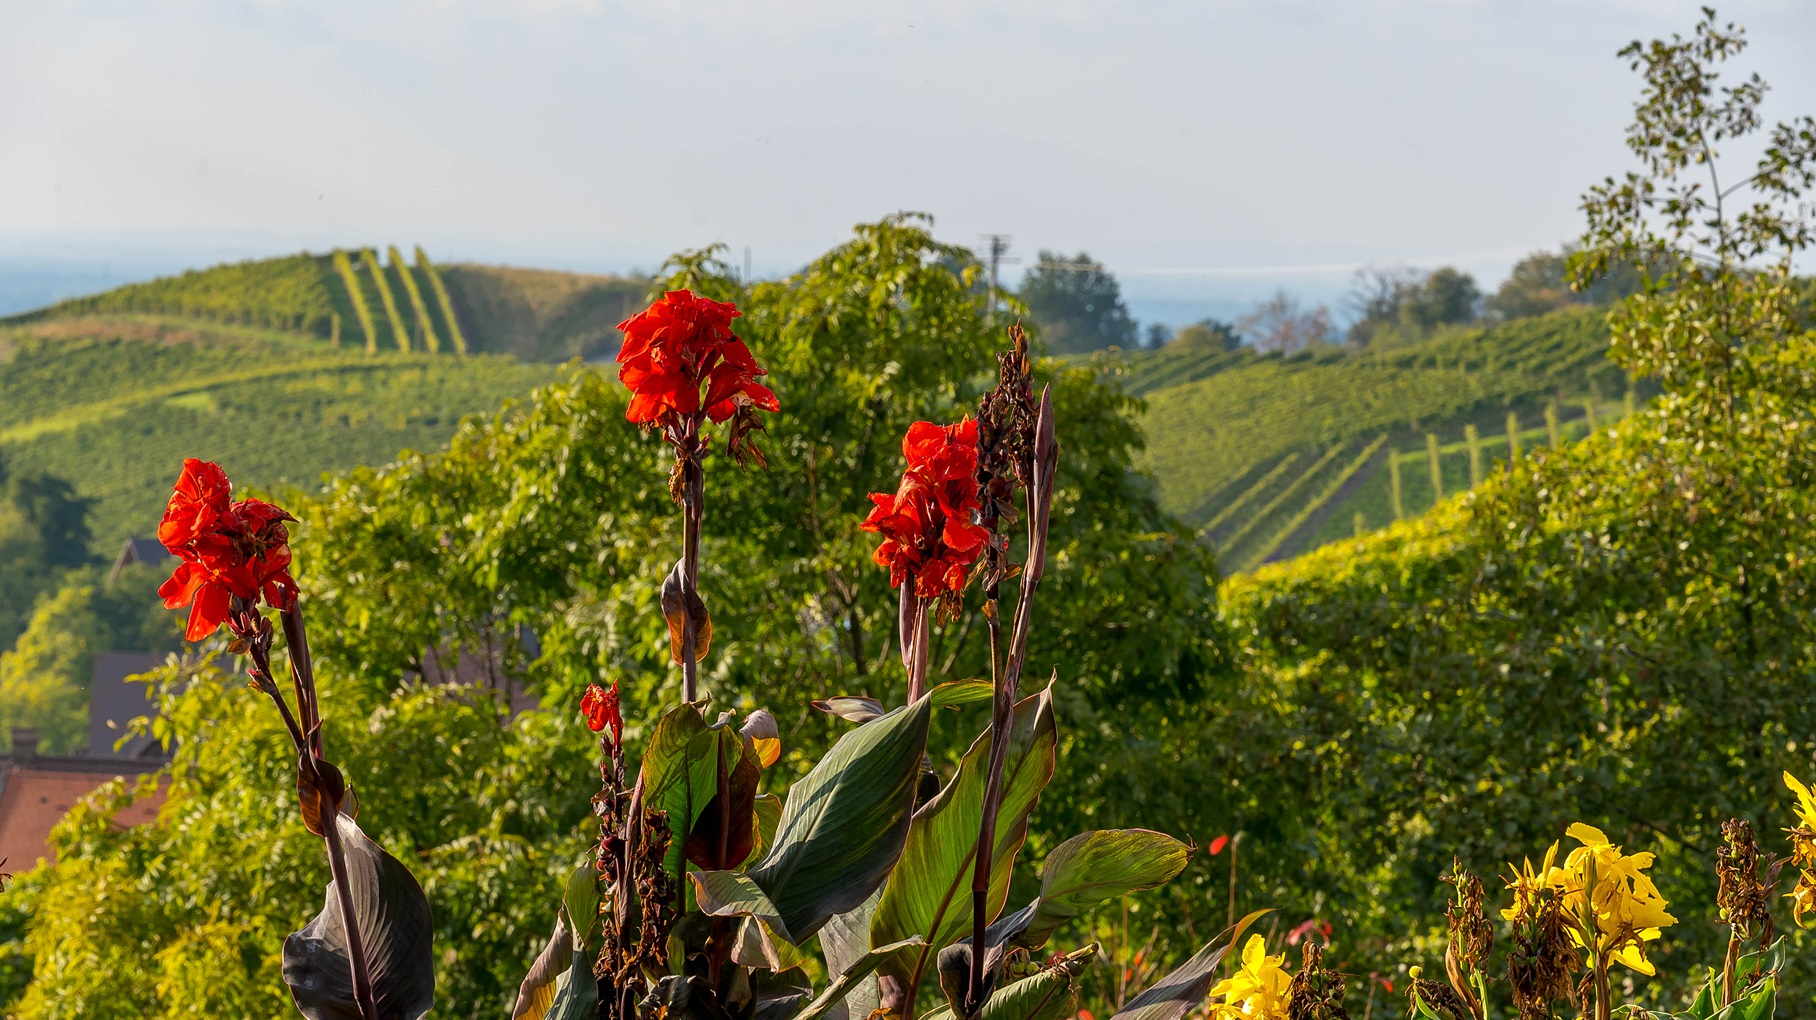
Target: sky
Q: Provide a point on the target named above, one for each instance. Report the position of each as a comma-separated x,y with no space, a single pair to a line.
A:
1208,151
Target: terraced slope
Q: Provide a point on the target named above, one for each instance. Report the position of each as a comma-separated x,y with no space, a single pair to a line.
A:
1272,456
115,402
362,300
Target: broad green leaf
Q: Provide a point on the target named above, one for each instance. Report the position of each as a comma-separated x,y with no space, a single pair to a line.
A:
768,810
759,947
844,939
1181,991
929,893
842,985
840,833
394,925
844,823
578,996
1047,995
1093,867
743,773
954,693
537,992
680,772
581,902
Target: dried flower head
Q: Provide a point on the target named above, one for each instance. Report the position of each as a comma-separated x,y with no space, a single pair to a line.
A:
1744,900
1542,958
1005,448
1316,993
1471,936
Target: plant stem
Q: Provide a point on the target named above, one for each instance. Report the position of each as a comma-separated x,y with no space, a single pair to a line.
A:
1235,839
693,511
1001,710
916,627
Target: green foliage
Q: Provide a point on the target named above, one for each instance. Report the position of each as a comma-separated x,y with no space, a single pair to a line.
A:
425,327
343,267
1540,284
1395,305
442,301
368,261
1077,304
185,917
43,535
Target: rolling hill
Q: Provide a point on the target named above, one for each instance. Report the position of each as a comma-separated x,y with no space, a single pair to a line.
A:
1271,456
294,366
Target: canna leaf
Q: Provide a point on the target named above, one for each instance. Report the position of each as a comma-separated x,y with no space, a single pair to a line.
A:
1093,867
537,992
954,693
841,831
844,940
859,970
580,902
767,813
394,924
680,772
1181,991
765,736
851,708
1047,995
705,845
929,893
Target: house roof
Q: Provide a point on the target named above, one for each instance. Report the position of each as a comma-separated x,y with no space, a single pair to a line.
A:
113,703
35,794
137,550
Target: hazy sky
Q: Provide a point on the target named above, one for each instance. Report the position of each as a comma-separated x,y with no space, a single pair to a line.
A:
1207,150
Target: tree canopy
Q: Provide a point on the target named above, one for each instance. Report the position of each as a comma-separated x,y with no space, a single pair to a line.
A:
1077,303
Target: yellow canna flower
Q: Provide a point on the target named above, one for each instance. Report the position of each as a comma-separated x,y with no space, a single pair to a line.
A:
1609,899
1803,850
1527,883
1259,991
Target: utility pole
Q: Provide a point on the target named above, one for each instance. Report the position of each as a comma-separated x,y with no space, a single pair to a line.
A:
999,247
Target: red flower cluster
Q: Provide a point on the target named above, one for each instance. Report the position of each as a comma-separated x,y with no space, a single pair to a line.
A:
679,345
926,525
600,707
228,549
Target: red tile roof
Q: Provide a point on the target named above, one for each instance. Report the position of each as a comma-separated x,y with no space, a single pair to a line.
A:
35,794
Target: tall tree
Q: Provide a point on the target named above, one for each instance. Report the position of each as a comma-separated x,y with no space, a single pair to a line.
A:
1282,324
1077,304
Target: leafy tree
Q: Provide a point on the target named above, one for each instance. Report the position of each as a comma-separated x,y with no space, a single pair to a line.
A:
44,677
1540,283
1208,335
1409,303
1077,303
43,534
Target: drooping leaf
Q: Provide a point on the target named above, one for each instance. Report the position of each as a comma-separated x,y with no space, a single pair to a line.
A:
731,811
761,730
780,994
1093,867
844,939
1181,991
578,996
758,946
851,708
929,893
680,772
841,831
537,992
1048,994
674,600
394,924
860,969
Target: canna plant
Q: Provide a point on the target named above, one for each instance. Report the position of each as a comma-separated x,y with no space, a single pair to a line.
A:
704,895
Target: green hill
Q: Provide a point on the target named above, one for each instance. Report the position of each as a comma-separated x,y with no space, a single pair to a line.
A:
113,403
1270,456
360,301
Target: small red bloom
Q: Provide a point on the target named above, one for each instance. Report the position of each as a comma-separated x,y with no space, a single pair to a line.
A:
228,549
926,525
600,707
677,346
1218,844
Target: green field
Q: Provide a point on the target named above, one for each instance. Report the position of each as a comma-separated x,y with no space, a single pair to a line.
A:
1271,456
117,407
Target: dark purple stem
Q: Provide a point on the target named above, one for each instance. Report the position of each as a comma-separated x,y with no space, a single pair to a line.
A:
693,512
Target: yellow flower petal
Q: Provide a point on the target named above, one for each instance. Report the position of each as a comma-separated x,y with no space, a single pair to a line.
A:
1586,834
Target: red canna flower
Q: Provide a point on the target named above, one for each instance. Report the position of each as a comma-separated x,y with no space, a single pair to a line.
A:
926,525
678,346
600,707
1218,844
228,549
